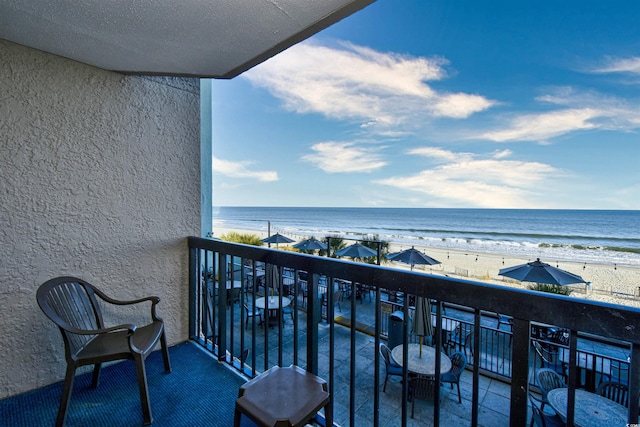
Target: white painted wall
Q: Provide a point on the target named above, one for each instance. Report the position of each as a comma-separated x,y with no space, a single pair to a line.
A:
100,179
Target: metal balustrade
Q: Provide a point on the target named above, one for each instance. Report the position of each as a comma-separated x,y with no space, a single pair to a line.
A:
602,345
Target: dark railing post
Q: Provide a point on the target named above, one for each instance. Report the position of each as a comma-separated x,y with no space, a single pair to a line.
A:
475,387
222,306
634,383
193,290
314,311
520,372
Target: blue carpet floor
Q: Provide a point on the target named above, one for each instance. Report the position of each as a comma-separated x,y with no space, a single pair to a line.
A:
198,392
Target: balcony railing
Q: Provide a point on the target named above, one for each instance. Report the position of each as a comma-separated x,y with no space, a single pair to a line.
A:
598,340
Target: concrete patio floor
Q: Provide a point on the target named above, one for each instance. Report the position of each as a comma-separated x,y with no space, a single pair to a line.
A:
493,394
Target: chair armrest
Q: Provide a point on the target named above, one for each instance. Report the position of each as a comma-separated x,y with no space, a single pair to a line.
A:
126,326
154,301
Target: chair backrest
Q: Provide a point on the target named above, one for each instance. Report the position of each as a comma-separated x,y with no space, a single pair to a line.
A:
548,379
458,363
615,391
385,353
71,304
422,386
548,356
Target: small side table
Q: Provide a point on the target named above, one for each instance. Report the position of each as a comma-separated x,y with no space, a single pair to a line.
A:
283,397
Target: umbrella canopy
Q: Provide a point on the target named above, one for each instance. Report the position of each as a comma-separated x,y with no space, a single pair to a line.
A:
277,238
273,280
540,272
412,256
357,250
422,325
310,244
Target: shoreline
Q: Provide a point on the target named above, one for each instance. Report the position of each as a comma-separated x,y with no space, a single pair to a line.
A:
611,284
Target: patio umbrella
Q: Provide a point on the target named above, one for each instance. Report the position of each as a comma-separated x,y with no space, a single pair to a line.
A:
422,325
310,244
277,238
540,272
274,275
412,256
357,250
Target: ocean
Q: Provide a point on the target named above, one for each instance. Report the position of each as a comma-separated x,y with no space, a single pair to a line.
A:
590,236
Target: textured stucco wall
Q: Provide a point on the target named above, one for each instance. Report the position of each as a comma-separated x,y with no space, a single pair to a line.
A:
100,179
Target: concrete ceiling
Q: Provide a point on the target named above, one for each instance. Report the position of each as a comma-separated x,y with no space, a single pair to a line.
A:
199,38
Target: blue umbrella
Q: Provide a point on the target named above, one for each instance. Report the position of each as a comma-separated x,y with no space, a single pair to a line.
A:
357,250
277,238
540,272
412,256
310,244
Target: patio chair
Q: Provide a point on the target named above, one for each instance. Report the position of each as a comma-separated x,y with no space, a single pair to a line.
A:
503,319
549,358
461,340
420,387
337,295
615,391
458,364
548,379
288,309
251,311
72,304
541,418
391,368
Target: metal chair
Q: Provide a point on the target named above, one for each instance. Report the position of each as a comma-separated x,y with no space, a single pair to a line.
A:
615,391
391,368
420,387
72,304
462,340
251,311
458,364
541,418
549,358
548,379
503,319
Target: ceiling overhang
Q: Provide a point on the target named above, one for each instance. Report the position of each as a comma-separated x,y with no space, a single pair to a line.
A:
210,39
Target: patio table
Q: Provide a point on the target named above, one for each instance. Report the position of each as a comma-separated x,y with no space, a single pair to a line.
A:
274,306
425,365
590,410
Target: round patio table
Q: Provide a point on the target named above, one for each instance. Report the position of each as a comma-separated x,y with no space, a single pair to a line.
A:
590,410
274,306
425,365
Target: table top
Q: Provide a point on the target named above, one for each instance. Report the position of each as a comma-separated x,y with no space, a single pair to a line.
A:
279,394
591,410
425,365
274,302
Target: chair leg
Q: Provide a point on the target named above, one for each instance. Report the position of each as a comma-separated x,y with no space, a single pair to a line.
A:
66,395
459,397
95,380
165,353
144,392
413,405
384,389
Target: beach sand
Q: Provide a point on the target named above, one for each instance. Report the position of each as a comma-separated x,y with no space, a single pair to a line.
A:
608,283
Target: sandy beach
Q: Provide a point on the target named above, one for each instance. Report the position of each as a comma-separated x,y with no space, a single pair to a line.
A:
612,284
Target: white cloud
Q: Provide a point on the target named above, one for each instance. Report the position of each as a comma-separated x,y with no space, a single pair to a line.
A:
540,127
344,157
242,170
382,90
620,65
468,179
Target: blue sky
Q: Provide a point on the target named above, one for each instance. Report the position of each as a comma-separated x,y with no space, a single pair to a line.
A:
492,104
